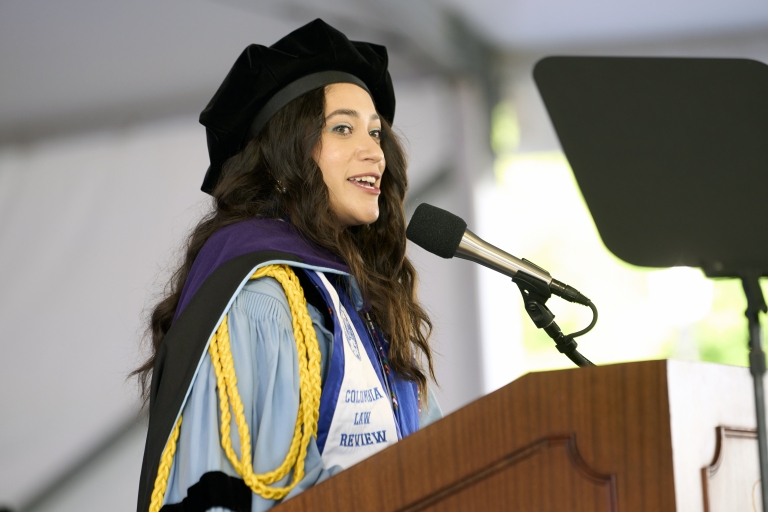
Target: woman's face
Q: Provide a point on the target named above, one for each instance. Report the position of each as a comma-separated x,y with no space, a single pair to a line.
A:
350,155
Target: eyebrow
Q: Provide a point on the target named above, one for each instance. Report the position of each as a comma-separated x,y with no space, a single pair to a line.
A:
350,112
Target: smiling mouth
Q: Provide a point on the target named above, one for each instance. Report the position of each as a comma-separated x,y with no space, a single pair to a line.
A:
368,182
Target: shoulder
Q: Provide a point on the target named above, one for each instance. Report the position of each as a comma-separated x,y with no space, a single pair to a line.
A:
262,298
266,286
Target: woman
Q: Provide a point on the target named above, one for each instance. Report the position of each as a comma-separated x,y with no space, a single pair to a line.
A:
289,345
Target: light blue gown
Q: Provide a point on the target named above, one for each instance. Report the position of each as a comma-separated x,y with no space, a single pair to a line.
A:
265,359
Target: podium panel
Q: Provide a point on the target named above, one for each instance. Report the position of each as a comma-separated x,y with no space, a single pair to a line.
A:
555,465
586,439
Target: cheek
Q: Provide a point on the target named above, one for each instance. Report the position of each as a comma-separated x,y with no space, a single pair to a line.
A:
331,160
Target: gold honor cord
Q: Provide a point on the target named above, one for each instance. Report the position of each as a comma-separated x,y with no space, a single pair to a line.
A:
164,469
229,398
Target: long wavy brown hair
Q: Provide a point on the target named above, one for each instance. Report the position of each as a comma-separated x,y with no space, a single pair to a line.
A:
276,176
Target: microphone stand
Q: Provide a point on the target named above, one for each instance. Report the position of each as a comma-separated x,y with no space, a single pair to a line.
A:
535,295
755,305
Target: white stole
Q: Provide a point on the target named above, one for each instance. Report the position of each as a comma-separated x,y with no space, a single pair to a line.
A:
363,422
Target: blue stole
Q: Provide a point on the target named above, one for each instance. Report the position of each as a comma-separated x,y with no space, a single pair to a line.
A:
406,416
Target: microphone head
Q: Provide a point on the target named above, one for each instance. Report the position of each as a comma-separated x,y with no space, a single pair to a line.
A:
436,230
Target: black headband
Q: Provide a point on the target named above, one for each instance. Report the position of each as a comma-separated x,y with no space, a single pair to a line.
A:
295,89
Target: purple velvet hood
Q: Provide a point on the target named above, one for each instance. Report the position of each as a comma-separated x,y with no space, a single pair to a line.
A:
251,236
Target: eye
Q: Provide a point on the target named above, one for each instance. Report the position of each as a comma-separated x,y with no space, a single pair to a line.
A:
342,129
376,134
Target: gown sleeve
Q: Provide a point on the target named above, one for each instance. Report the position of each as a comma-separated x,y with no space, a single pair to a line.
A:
430,409
265,358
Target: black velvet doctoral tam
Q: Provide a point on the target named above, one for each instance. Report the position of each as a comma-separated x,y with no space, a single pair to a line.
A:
265,79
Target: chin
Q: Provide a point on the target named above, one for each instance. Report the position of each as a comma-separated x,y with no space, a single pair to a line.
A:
363,218
372,217
364,221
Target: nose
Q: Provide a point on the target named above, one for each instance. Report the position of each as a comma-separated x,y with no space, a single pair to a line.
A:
370,150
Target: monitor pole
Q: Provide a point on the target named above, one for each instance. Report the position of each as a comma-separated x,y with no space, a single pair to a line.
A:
756,305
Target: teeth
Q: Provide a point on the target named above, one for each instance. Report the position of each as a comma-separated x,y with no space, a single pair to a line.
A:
365,179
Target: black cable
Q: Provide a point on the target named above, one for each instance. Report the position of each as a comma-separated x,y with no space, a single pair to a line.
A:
590,326
574,355
566,344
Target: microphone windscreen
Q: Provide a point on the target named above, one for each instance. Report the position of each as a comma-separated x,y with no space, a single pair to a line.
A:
436,230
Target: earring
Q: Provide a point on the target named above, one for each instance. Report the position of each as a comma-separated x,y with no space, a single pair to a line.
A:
280,188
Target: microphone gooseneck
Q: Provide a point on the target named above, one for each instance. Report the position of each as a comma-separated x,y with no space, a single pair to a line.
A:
446,235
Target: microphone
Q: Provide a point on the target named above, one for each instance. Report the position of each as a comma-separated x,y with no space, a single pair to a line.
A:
446,235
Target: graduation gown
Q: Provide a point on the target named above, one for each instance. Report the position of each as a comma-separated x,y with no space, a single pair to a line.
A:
220,272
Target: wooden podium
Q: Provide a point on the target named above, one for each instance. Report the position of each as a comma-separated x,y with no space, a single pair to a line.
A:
627,437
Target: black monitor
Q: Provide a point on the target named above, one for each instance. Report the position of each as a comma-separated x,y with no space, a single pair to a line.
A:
671,155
